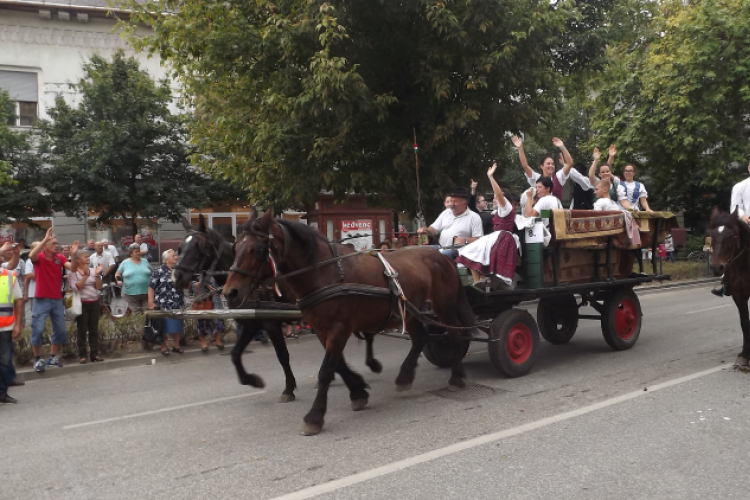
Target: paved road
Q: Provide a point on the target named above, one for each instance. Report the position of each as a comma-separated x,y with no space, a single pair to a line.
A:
580,425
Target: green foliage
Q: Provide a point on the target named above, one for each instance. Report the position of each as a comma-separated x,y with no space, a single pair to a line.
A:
677,100
20,170
121,152
298,96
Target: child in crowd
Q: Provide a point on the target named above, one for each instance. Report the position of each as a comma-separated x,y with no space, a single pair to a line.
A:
603,201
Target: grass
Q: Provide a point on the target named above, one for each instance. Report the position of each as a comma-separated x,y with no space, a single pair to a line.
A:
681,270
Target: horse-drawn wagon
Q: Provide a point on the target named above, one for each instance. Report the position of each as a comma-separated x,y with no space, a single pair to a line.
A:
588,262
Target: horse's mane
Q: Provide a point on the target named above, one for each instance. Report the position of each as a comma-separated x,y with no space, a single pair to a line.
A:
306,237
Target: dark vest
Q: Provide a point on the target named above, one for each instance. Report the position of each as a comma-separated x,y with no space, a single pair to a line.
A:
504,223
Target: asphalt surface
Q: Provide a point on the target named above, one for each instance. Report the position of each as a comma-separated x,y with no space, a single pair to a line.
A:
580,425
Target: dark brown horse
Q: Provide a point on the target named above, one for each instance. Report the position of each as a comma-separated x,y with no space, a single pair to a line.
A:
204,249
730,239
424,274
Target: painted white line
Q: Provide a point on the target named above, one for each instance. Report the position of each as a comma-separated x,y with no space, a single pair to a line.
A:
710,309
361,477
163,410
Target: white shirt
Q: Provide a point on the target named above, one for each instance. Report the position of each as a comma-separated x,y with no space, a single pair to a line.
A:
106,259
502,211
112,250
466,225
29,269
605,204
549,202
741,198
560,174
630,193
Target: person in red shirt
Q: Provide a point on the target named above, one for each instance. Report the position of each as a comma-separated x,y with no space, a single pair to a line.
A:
48,303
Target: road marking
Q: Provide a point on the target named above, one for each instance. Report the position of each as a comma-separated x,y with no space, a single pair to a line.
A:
163,410
709,309
361,477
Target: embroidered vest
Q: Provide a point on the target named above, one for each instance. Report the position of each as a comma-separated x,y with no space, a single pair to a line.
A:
504,223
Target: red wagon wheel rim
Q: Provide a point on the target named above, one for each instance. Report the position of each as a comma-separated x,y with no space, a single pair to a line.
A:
519,343
626,319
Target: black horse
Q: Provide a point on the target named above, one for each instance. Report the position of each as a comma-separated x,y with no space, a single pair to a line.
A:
204,249
730,240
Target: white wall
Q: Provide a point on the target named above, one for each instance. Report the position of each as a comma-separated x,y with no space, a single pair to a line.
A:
56,50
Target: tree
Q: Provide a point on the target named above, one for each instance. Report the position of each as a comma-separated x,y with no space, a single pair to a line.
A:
677,100
121,152
297,96
20,170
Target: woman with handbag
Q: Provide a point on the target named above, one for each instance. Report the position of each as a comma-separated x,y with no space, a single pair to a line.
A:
163,295
87,282
133,276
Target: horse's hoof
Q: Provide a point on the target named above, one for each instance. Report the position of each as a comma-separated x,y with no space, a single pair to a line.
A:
455,385
311,429
359,404
403,387
253,381
742,362
286,398
375,366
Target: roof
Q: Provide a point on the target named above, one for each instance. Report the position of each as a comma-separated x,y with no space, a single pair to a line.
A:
76,5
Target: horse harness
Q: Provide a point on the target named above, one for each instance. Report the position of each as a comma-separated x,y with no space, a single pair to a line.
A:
399,303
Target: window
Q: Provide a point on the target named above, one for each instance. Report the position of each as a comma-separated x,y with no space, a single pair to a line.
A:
23,90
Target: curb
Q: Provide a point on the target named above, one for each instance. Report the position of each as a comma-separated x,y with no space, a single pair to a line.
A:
73,367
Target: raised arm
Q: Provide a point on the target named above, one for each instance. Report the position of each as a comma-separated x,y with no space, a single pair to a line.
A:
34,254
594,164
72,265
612,153
529,210
499,195
566,155
518,143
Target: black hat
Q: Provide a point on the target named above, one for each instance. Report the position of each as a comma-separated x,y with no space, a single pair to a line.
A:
460,192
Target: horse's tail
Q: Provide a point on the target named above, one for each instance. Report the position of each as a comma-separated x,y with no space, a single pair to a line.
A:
464,313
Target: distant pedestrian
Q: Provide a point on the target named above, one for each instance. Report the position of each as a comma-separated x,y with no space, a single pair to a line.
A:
11,308
133,276
48,271
164,296
88,282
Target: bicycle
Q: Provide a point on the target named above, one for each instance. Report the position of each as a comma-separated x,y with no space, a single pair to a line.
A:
113,304
697,256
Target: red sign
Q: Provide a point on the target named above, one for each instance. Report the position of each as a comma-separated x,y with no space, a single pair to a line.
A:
352,226
146,237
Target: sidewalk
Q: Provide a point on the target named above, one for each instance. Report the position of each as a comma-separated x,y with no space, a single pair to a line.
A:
71,366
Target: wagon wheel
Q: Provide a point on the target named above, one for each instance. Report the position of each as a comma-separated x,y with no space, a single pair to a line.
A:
514,343
621,319
438,350
557,318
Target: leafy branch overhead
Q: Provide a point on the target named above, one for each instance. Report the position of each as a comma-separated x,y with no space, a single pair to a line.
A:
297,96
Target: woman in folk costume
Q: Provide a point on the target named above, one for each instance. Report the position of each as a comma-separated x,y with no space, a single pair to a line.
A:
616,189
547,166
494,254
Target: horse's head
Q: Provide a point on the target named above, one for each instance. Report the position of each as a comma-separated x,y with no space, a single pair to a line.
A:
196,253
725,233
260,238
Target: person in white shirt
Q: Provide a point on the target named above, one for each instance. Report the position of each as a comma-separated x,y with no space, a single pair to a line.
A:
635,191
457,225
547,201
102,258
111,249
29,288
616,191
741,199
603,201
547,166
741,204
